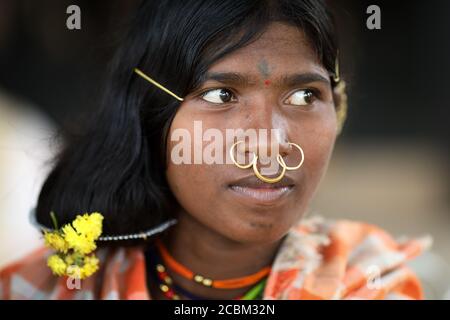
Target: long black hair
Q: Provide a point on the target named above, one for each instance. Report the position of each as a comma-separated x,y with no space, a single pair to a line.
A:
117,166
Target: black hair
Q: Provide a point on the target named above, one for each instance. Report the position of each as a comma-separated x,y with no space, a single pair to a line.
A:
117,166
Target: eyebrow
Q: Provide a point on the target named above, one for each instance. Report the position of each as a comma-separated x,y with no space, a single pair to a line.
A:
291,80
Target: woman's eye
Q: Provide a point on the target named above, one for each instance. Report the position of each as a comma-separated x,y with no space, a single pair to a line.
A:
218,96
301,98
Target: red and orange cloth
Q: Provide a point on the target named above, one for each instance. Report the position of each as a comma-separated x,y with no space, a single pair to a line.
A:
319,259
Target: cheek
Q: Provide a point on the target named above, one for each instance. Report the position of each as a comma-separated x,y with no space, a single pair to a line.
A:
318,147
192,186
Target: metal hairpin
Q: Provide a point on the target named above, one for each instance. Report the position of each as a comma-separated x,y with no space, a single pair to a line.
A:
131,236
146,77
336,76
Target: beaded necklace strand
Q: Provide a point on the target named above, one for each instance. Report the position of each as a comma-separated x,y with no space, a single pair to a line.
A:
173,291
235,283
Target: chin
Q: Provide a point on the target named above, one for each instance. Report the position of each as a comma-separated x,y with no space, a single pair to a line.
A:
252,232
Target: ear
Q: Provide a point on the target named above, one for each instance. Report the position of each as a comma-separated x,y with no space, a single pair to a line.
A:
340,101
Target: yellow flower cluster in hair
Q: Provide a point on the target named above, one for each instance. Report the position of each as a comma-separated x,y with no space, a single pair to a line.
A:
74,244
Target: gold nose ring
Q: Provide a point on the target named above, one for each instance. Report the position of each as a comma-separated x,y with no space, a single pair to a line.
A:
254,163
246,166
283,164
270,180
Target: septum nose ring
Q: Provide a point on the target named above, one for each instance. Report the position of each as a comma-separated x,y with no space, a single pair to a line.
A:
280,161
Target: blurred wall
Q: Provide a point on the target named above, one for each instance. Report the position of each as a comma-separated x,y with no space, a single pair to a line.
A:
25,151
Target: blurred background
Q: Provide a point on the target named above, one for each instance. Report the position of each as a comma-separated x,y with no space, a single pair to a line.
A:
391,163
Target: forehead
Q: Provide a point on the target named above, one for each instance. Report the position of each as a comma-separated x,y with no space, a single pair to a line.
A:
281,47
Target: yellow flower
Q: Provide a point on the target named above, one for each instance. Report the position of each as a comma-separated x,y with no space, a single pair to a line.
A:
78,242
57,265
74,271
75,241
89,225
69,259
55,241
90,266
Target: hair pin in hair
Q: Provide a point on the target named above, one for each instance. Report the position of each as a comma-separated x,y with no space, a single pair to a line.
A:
143,75
336,76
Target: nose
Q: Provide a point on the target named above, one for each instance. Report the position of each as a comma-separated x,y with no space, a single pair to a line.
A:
269,143
272,129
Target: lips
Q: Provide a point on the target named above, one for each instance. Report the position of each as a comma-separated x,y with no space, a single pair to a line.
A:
255,183
252,188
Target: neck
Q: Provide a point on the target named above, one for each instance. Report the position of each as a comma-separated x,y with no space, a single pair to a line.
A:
212,255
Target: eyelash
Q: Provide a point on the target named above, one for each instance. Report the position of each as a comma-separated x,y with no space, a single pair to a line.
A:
201,95
315,93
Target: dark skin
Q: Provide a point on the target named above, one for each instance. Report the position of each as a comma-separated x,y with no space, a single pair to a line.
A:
222,235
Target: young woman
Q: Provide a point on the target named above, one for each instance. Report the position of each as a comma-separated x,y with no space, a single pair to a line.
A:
214,230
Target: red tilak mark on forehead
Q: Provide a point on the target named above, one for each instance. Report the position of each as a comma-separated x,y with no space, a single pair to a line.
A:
266,82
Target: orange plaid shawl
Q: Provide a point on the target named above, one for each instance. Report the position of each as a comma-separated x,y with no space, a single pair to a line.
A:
319,259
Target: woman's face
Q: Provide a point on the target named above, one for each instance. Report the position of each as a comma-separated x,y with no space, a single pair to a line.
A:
231,201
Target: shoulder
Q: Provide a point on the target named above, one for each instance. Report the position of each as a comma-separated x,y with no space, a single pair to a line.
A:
26,277
349,259
121,276
377,261
357,238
